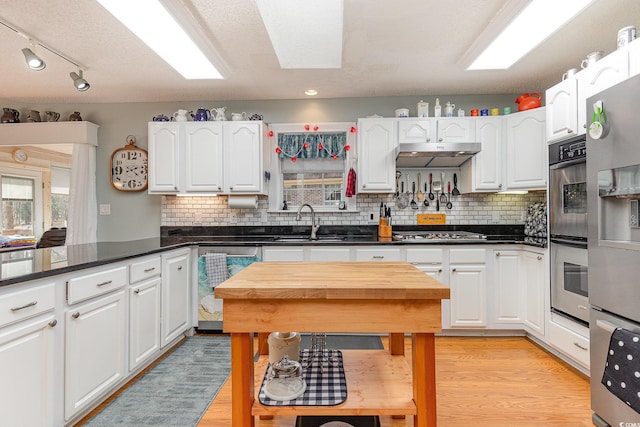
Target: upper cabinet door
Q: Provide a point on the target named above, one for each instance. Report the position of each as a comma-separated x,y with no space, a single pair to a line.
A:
484,172
203,157
609,71
416,130
454,129
164,157
562,110
243,157
527,156
377,143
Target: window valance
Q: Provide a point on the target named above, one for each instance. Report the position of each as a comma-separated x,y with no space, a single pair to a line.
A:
305,145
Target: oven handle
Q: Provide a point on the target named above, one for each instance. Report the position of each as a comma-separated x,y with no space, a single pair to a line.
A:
568,242
567,164
609,327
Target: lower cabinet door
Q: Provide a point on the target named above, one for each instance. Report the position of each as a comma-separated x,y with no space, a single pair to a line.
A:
144,321
27,371
468,296
95,350
175,295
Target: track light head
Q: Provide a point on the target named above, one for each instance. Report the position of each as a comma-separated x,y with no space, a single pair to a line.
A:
80,83
34,62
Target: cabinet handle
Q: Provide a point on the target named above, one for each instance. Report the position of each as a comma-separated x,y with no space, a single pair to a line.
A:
569,130
179,268
439,270
428,139
219,188
582,307
539,258
147,270
53,323
497,253
378,257
499,185
231,188
454,269
31,304
440,139
108,282
137,291
76,315
175,188
581,347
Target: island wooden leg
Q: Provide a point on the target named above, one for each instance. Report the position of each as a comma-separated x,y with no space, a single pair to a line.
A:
396,343
242,387
263,343
424,379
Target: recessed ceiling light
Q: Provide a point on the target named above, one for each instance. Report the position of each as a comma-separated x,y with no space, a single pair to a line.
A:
304,33
530,27
157,28
311,92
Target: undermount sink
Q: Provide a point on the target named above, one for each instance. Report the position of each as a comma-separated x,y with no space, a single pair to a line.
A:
303,239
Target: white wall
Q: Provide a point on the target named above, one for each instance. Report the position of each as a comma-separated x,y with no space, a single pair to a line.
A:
138,215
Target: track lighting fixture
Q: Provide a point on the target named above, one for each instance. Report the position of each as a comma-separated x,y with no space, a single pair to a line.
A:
79,82
33,61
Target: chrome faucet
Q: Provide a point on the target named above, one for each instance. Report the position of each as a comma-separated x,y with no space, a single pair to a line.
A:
314,226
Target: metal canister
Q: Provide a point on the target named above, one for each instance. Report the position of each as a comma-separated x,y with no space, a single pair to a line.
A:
626,35
283,344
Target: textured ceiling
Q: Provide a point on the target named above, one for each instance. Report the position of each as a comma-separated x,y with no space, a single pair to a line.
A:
412,47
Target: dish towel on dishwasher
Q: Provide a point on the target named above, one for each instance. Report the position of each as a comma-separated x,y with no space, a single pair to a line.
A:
622,370
216,268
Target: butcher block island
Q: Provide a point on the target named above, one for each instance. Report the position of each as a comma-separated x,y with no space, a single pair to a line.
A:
338,297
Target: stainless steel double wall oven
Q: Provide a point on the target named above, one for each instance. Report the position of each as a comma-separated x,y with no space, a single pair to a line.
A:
568,228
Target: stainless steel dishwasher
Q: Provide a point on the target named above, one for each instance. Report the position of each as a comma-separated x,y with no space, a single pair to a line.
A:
210,310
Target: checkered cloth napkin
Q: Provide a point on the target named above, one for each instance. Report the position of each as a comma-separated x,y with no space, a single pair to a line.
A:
217,271
324,388
350,190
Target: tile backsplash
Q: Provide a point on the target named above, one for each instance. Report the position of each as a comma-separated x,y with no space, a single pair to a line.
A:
490,208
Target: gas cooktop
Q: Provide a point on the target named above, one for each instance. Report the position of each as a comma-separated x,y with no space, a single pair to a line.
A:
437,235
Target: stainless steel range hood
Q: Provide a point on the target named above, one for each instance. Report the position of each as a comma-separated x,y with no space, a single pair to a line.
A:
435,154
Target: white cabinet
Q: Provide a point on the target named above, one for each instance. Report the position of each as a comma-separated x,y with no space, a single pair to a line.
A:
562,110
508,287
416,130
571,339
534,276
467,281
376,148
456,129
243,166
94,350
203,157
206,157
609,71
526,148
175,295
164,157
330,253
286,253
27,356
484,172
144,310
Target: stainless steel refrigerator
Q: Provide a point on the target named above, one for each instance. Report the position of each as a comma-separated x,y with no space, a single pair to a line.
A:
613,186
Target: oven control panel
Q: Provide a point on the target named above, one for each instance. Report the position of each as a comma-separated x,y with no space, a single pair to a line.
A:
572,151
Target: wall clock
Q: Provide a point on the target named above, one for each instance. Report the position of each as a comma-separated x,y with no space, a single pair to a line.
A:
129,167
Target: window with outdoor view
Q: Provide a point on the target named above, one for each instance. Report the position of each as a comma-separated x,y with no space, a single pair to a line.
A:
60,181
18,205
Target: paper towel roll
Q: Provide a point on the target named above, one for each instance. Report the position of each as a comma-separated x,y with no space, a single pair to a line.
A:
243,202
281,343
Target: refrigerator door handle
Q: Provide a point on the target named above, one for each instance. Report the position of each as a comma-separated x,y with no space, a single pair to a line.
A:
609,327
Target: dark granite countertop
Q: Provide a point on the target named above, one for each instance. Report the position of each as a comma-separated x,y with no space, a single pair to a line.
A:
38,263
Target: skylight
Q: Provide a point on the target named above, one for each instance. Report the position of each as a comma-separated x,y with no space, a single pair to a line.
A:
535,23
304,33
151,22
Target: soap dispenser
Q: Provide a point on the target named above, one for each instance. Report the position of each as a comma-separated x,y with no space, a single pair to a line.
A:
437,109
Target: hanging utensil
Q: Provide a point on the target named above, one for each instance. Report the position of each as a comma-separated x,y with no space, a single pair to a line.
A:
426,199
403,198
414,205
431,196
455,191
449,204
420,195
443,197
398,175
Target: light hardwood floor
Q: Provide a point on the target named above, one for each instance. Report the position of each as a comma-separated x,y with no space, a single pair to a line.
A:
481,382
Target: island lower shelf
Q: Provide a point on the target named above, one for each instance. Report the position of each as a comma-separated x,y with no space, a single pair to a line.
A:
378,383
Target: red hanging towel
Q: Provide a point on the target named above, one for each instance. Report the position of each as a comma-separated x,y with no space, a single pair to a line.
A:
351,183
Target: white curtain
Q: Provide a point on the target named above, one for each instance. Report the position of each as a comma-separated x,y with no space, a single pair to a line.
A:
82,221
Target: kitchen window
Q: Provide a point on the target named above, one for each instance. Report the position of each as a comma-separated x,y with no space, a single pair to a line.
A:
21,202
60,183
318,173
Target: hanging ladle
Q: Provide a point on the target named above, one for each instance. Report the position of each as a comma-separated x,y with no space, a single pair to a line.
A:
449,204
426,199
431,196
